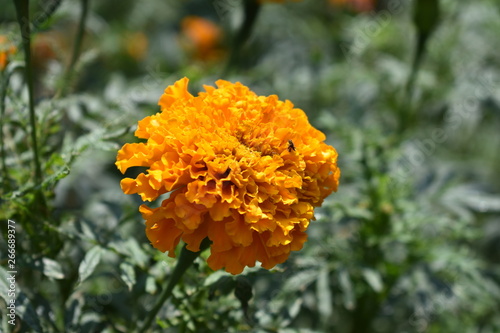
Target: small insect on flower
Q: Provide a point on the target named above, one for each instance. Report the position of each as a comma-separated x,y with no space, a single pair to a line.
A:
291,146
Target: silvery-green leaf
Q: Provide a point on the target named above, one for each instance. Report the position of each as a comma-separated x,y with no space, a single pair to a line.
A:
127,274
373,278
89,263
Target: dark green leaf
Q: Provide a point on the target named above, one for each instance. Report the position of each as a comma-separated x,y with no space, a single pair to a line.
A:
25,310
73,312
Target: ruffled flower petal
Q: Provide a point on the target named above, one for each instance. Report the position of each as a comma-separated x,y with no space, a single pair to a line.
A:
244,171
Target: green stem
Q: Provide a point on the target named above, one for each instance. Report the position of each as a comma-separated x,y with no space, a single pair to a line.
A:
3,95
22,9
426,15
77,47
407,112
252,9
186,258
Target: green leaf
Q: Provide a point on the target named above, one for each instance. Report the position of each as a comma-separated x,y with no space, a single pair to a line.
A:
294,308
132,250
73,312
56,169
214,277
25,310
89,263
49,268
473,198
348,292
324,294
373,278
300,280
85,230
151,285
4,285
107,146
127,274
89,322
13,66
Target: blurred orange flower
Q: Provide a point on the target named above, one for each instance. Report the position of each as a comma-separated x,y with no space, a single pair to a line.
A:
46,47
201,37
356,5
7,49
136,45
244,170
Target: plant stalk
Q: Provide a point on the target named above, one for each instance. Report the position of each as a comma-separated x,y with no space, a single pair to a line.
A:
22,10
77,47
3,95
252,9
186,258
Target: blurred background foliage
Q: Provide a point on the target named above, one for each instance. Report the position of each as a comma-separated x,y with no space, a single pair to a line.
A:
408,92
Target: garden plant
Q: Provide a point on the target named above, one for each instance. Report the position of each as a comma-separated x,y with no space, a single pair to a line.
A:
250,166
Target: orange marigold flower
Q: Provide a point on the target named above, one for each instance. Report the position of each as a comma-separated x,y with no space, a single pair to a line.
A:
244,170
7,49
201,37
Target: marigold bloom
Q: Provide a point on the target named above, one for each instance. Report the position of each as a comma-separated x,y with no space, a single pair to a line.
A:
7,49
246,171
201,37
